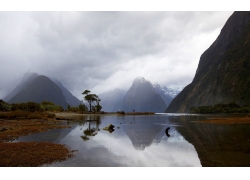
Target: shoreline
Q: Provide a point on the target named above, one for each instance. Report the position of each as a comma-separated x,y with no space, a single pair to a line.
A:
70,115
30,154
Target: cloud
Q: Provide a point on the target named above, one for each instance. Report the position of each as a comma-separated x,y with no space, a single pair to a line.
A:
104,50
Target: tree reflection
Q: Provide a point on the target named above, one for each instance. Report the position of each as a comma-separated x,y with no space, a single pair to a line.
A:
92,127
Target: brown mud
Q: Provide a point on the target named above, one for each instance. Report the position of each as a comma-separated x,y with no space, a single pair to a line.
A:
29,154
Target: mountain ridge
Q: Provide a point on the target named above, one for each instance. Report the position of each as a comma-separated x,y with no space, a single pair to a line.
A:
223,70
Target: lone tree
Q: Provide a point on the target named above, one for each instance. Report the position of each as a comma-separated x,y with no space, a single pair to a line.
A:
91,99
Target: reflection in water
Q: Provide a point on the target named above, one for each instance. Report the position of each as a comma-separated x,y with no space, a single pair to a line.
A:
166,132
142,135
92,127
120,148
220,145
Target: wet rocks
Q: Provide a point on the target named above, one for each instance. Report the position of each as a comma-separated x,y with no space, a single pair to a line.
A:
109,128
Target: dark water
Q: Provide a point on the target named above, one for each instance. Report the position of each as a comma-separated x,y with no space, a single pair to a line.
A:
142,141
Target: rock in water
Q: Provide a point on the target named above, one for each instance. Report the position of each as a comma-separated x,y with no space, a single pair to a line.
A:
109,128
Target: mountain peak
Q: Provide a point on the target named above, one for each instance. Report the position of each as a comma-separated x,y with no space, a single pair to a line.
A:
142,96
139,80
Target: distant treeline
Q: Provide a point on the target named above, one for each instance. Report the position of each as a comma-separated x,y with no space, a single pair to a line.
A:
220,108
43,106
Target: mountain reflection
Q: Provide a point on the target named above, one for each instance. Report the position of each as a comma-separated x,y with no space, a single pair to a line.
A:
143,135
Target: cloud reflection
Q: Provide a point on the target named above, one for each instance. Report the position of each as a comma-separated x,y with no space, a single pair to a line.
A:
170,151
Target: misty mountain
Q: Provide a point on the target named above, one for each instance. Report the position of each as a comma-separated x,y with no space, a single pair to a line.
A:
70,99
223,73
112,100
164,95
143,97
33,87
27,77
38,90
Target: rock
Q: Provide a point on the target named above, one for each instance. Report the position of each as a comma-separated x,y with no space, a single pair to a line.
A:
109,128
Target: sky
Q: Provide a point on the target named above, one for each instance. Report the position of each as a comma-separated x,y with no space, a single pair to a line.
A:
104,50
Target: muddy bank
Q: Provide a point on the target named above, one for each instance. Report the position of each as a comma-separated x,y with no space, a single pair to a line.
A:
12,129
30,153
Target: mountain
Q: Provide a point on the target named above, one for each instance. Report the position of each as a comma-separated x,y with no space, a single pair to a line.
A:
25,90
112,100
223,73
142,97
27,77
38,90
165,96
172,92
70,99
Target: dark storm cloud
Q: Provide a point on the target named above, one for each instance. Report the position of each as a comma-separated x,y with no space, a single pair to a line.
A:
104,50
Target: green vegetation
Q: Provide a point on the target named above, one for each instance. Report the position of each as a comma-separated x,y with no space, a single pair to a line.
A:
36,107
30,106
92,101
220,108
80,108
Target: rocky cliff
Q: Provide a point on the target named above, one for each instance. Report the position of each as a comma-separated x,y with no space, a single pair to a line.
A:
223,73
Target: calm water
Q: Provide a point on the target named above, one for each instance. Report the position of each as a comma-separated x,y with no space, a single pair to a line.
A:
136,141
142,141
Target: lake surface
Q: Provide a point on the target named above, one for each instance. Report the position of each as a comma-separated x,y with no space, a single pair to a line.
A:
138,141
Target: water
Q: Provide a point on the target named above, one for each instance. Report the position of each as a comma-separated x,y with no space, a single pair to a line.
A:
136,141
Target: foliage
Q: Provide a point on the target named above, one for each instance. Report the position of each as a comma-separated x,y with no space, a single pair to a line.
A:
30,106
80,108
92,101
220,108
4,106
50,106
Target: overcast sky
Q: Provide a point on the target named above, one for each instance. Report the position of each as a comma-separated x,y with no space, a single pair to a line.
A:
101,51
